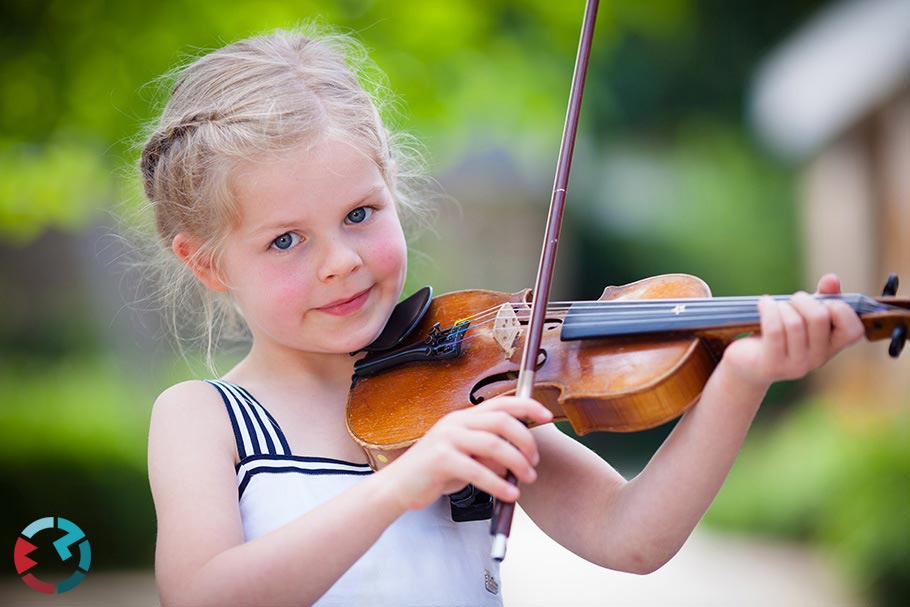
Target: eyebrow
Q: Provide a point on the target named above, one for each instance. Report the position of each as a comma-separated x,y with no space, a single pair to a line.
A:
287,223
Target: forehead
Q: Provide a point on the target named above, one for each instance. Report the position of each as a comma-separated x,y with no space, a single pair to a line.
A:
304,181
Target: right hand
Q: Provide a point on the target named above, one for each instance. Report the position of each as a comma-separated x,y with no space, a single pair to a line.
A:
475,446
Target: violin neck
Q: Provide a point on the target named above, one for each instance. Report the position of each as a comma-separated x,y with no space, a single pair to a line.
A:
717,317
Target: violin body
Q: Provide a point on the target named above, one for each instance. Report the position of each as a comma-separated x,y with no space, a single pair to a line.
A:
622,384
637,357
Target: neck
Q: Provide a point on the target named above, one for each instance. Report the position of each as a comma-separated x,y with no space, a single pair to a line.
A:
680,316
280,366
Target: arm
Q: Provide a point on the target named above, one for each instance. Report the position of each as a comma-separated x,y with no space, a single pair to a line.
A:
201,557
639,525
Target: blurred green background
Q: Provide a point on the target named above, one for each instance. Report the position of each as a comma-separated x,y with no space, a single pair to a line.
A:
667,178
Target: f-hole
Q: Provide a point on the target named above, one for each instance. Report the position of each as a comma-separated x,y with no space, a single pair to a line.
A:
509,376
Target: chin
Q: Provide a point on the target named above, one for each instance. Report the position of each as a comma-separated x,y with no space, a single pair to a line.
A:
354,342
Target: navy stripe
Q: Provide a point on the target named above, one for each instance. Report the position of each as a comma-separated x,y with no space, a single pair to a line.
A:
257,419
285,469
236,406
281,438
241,452
299,458
249,403
270,444
244,411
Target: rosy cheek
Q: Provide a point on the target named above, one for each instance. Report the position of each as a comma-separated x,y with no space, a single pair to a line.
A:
282,286
290,291
389,255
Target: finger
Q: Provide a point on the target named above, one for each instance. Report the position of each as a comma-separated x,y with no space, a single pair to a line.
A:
479,444
772,331
509,428
473,472
797,336
829,284
493,465
817,319
522,408
848,327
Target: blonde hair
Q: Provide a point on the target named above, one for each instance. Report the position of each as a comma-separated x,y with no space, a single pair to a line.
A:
252,100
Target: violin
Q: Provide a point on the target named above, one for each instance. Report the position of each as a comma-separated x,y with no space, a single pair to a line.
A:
636,358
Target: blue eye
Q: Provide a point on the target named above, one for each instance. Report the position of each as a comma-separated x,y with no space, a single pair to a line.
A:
359,215
285,241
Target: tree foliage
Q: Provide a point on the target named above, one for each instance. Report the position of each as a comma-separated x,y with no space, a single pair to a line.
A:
79,79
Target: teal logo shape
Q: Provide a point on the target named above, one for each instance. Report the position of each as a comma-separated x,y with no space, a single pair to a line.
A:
73,537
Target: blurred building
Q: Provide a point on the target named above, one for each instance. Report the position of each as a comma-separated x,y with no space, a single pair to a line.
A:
835,97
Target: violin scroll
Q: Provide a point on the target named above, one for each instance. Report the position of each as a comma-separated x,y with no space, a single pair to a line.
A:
899,332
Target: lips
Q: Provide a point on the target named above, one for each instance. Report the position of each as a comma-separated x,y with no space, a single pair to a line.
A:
344,307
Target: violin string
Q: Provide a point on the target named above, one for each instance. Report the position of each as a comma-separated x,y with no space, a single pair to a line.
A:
623,313
705,309
859,302
718,310
611,308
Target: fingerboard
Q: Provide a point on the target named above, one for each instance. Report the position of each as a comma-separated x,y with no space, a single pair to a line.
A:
594,319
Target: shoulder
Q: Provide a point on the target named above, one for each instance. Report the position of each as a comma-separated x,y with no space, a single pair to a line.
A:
191,402
191,458
191,411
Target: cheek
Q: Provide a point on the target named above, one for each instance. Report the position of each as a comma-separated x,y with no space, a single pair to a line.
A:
390,256
287,289
275,284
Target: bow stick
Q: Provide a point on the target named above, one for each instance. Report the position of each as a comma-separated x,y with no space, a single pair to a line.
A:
503,511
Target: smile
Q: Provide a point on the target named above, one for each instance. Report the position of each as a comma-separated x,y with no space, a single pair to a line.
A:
345,307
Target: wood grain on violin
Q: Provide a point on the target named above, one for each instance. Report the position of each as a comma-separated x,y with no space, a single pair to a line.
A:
636,358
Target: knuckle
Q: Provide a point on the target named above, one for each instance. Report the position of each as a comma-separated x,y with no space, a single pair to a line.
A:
793,322
775,331
502,419
818,315
491,444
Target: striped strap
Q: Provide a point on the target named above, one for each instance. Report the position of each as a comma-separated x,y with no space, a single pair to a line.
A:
255,430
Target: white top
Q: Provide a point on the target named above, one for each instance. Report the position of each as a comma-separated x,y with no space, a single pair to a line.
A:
423,559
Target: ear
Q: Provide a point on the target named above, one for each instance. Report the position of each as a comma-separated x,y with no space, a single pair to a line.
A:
186,249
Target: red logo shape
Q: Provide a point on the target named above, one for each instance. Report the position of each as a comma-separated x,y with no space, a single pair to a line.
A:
22,549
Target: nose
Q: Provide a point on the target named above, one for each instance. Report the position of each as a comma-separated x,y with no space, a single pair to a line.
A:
339,259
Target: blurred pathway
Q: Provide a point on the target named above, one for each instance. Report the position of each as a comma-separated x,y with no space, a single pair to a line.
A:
711,570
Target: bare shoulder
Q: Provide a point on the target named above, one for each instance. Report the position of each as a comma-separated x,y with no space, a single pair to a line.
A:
190,415
193,481
191,407
188,397
188,422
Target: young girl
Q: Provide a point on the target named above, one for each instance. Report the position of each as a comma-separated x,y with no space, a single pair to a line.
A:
273,181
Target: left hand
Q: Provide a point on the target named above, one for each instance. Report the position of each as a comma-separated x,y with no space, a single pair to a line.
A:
796,337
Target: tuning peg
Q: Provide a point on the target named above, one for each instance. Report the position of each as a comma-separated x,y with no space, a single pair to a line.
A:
891,285
898,339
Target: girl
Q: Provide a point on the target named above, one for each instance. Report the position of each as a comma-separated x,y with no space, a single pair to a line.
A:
277,187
